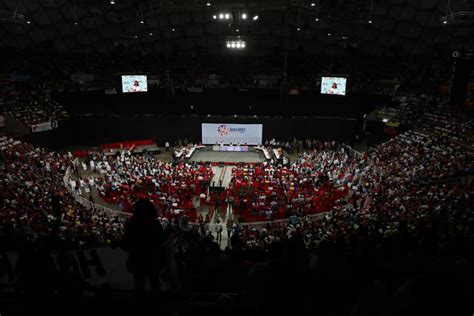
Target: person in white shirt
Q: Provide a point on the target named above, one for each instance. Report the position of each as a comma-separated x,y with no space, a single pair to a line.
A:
333,89
136,87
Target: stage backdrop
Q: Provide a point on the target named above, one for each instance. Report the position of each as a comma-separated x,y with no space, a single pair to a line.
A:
250,134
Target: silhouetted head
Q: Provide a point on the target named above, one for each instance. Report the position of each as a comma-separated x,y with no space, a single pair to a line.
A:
144,211
334,85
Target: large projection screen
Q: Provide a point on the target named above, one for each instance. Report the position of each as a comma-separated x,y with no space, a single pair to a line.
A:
136,83
250,134
333,85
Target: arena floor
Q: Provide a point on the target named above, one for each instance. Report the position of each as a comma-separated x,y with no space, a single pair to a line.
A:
214,156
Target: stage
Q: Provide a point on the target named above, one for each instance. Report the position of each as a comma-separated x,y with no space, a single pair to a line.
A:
207,154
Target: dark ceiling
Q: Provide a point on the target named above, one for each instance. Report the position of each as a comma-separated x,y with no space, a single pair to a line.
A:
398,28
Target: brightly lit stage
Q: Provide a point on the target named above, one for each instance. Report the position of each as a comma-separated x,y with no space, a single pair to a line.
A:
226,154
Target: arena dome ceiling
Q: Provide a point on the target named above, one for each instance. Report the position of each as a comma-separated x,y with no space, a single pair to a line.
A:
326,27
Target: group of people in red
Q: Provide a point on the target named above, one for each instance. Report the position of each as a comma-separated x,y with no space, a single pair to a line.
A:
172,187
267,192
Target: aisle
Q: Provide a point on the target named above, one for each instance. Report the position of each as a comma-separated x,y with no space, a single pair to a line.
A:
227,177
217,175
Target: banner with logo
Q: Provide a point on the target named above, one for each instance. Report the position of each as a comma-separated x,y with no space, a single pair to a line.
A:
250,134
46,126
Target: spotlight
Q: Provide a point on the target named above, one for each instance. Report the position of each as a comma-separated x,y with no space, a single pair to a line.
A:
313,4
237,30
298,29
214,17
151,34
445,22
255,18
329,34
172,30
370,21
112,2
235,44
227,16
28,22
208,4
75,23
221,16
141,21
244,16
317,19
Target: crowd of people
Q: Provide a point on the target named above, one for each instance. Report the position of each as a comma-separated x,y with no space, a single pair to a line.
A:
35,203
30,105
340,225
307,186
172,186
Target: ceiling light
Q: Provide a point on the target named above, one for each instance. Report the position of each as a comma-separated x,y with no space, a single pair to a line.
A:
317,19
227,16
75,23
237,30
214,16
208,4
221,16
244,16
370,21
141,21
112,2
172,30
445,22
329,34
255,18
28,22
151,34
236,44
298,29
313,4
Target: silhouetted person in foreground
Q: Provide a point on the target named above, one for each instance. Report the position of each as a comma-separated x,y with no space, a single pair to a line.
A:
143,240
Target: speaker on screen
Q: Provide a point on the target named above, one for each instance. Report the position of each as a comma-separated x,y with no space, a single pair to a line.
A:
333,85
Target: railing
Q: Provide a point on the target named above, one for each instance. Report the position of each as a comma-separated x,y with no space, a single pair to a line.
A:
85,202
97,207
